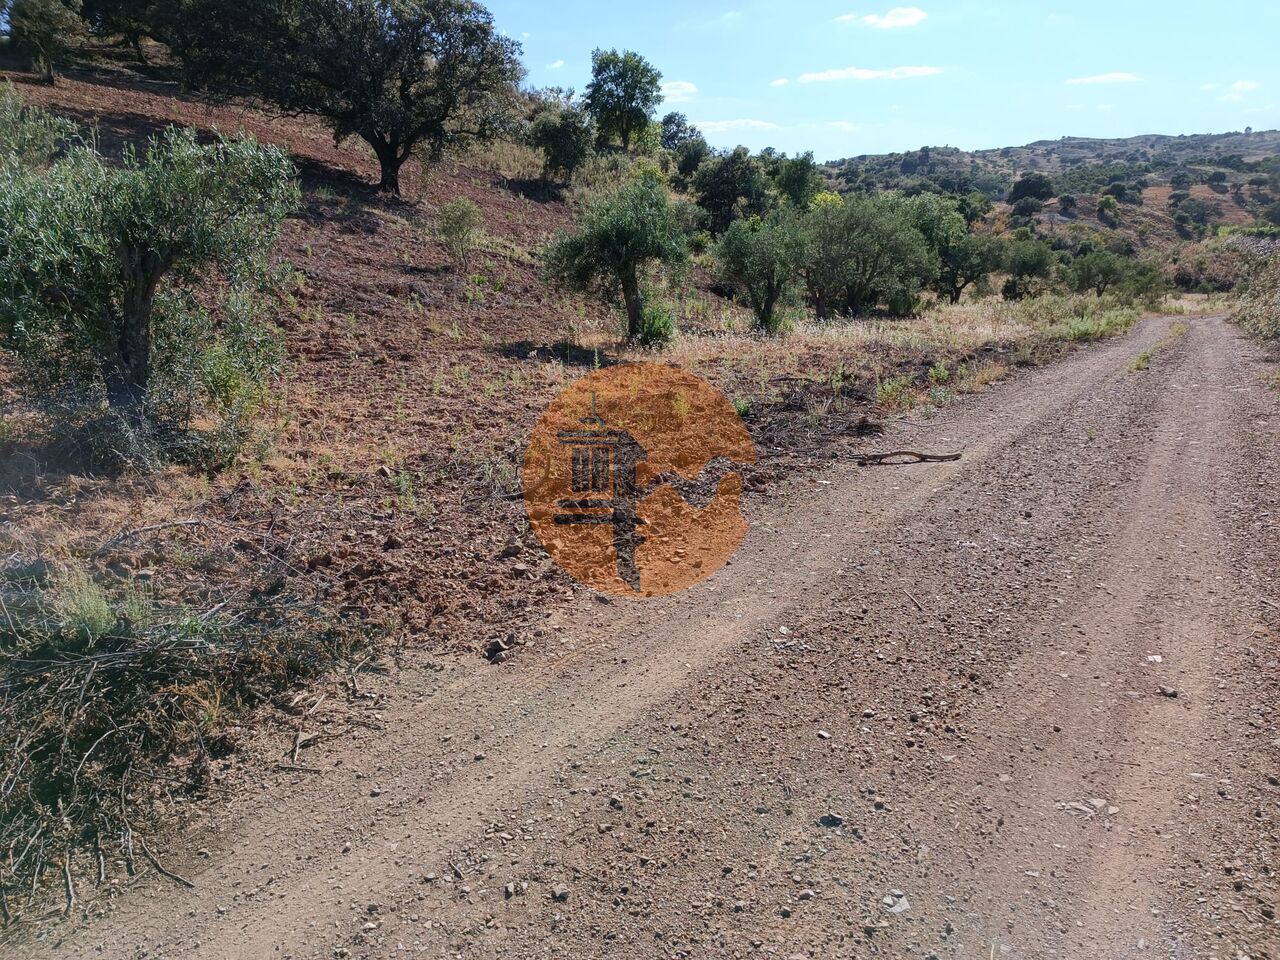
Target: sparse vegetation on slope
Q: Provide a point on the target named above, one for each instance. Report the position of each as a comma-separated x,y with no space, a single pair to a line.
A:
417,340
1258,310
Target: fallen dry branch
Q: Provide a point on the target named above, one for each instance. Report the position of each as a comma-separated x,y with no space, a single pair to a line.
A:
161,868
869,459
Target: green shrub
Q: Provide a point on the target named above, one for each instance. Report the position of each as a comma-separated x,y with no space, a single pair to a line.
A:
897,393
459,229
1077,318
657,326
81,609
1258,307
566,136
28,134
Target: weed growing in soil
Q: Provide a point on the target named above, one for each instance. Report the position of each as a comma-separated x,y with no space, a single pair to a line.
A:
1143,360
111,699
459,227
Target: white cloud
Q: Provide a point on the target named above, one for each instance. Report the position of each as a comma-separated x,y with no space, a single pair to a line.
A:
895,18
678,91
555,64
780,82
727,126
1234,92
844,126
1106,78
730,18
860,73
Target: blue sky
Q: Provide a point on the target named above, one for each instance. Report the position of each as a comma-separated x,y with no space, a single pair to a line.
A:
844,78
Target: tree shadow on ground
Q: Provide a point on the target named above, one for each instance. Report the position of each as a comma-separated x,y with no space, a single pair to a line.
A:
562,351
341,199
539,191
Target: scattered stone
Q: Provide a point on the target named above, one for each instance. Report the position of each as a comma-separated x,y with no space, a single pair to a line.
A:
895,902
1169,692
806,894
823,735
560,893
830,820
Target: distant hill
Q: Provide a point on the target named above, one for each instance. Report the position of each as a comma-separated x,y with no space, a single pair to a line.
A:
1170,187
1240,155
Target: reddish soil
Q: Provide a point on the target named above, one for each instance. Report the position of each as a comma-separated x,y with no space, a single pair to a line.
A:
942,679
410,387
1232,213
1022,704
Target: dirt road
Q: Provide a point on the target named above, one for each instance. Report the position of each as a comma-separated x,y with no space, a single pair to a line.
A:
1018,705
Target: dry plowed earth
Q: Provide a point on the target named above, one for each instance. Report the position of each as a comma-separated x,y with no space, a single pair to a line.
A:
1018,705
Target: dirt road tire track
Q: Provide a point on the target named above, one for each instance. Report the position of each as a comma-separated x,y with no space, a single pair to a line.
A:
970,637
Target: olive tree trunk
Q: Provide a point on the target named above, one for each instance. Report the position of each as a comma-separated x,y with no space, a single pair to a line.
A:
129,383
633,302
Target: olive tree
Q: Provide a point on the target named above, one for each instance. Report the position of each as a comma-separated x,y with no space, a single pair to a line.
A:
405,76
761,256
1027,261
1037,186
797,178
1097,270
826,254
888,258
620,237
47,30
100,265
130,19
963,258
624,91
863,250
